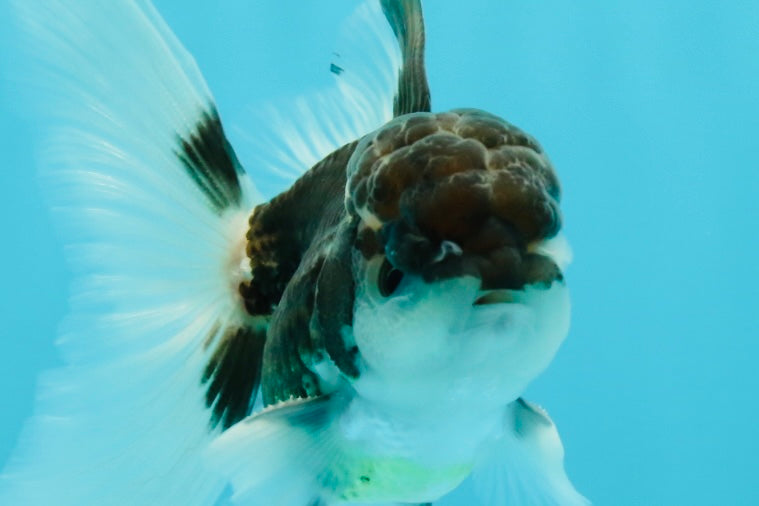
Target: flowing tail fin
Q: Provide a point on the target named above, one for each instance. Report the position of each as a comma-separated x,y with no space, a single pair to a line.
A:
154,203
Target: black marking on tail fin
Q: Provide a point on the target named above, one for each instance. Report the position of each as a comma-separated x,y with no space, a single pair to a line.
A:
406,20
233,374
211,162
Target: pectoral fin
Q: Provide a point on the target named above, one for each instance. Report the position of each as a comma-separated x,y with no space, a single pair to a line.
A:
282,456
525,466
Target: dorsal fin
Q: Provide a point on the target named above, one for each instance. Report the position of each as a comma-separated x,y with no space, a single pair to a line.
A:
405,18
282,229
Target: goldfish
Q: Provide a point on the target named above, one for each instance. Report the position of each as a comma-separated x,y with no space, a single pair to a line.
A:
363,337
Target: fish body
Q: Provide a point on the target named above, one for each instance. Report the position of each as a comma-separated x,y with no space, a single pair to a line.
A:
386,312
410,374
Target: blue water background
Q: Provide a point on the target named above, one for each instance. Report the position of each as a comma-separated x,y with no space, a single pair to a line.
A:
649,111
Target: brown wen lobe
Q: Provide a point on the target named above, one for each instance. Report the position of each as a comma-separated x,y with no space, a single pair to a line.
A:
464,176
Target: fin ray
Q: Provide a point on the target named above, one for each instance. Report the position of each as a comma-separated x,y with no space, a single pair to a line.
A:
405,18
154,203
360,101
526,465
298,446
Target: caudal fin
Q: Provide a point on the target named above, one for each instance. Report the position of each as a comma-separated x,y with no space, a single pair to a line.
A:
154,203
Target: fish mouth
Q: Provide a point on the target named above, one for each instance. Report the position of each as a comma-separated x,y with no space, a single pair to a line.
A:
495,297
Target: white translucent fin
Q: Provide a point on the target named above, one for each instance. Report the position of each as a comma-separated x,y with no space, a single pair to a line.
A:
156,262
290,136
281,456
526,466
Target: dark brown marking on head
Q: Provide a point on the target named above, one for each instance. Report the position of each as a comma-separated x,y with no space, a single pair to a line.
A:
210,161
233,374
464,177
367,242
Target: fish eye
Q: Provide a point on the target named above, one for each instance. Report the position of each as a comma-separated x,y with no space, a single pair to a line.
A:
388,279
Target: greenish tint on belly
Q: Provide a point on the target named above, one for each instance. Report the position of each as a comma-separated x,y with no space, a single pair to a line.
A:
392,479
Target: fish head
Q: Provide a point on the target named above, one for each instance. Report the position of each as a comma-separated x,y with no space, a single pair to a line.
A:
458,263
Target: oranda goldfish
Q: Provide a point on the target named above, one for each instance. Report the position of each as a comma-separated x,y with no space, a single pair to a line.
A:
363,337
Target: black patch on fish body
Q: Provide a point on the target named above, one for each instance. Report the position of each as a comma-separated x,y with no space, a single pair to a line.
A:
210,161
300,244
281,230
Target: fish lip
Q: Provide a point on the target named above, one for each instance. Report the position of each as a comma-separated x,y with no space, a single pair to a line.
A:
498,296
